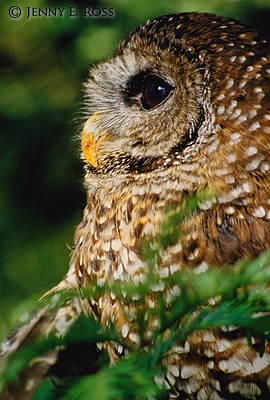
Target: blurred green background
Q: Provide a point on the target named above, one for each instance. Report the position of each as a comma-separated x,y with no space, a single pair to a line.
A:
44,62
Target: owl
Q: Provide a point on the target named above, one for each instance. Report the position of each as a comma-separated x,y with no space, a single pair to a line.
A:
182,108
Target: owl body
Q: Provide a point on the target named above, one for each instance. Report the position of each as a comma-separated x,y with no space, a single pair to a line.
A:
182,109
211,132
208,365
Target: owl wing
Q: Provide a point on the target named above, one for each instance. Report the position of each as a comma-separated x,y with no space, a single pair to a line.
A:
50,316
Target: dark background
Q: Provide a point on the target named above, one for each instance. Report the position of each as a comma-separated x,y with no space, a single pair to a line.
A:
44,62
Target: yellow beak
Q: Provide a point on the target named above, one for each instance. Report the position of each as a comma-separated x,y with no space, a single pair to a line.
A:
88,140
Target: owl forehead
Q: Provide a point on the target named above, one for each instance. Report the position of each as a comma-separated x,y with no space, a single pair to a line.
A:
212,40
191,32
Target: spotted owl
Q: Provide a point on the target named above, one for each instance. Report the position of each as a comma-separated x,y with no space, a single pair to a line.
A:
182,108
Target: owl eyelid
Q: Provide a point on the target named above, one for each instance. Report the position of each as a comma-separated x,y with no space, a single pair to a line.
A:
134,85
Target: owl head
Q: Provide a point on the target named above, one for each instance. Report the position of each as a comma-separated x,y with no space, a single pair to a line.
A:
187,91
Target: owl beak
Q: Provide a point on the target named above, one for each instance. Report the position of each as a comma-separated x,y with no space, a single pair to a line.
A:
88,140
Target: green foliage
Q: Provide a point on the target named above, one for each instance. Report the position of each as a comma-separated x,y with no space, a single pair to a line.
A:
238,296
126,380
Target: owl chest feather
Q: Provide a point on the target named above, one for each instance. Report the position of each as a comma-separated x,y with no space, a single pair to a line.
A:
117,224
115,227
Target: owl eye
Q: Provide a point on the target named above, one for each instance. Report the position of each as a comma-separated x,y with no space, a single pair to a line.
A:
148,89
154,91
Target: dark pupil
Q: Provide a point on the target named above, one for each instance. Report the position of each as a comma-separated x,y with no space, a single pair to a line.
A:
154,91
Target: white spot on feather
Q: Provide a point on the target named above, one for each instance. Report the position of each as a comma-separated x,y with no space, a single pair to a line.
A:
125,330
253,127
174,370
134,337
254,164
231,158
230,83
105,246
259,212
251,150
116,244
242,59
235,137
257,365
171,378
203,267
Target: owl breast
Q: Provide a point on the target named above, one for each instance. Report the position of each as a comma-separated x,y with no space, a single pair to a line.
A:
124,214
115,226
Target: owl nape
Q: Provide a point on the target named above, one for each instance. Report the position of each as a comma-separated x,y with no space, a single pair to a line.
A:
177,177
